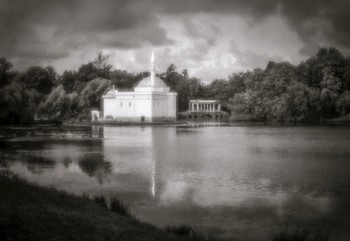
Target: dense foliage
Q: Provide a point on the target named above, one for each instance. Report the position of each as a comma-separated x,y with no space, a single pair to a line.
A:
315,89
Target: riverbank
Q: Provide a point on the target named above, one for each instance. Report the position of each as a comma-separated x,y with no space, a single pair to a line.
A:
29,212
33,213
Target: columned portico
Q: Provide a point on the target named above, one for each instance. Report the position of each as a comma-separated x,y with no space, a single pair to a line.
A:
204,106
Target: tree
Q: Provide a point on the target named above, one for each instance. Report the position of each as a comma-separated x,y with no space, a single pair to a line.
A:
68,79
311,71
171,77
56,105
101,64
330,90
238,104
85,73
124,80
5,66
16,106
98,68
41,79
343,104
61,106
92,93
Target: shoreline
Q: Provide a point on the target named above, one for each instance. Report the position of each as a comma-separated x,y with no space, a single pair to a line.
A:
30,212
39,213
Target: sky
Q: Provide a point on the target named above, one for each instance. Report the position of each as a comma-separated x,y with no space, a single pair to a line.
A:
210,38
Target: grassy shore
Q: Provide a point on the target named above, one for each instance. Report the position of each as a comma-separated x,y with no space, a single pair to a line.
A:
29,212
32,213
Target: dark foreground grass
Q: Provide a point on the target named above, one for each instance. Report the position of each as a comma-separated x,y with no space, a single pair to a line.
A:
32,213
115,205
301,235
119,207
190,232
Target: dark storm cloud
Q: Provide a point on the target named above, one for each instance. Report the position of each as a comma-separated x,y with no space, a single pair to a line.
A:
327,21
315,21
44,29
50,29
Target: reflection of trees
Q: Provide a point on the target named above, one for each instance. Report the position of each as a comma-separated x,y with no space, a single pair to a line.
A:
94,165
67,161
3,163
37,164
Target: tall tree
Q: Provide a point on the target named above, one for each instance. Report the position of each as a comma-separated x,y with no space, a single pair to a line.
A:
102,66
41,79
5,66
92,93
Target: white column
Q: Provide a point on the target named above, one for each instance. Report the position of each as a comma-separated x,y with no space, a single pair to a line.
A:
219,107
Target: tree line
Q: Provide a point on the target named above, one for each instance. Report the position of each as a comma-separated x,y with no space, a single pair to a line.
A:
317,88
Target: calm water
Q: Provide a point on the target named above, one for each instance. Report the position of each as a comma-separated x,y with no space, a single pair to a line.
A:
233,182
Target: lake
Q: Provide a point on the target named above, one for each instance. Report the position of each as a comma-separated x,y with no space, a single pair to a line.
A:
233,182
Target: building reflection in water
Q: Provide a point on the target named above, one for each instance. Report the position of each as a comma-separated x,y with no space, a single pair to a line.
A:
132,152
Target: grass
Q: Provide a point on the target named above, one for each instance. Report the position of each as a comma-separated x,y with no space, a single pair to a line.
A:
101,201
115,205
29,212
182,230
119,207
188,231
301,235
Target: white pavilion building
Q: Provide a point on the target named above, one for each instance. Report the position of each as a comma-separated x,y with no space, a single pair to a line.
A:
151,101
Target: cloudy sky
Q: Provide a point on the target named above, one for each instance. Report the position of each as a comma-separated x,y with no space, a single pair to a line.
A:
210,38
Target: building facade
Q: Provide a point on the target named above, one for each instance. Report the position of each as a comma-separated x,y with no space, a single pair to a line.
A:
151,101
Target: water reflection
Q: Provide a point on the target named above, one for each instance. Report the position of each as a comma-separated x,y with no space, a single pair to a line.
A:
94,165
37,164
231,181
